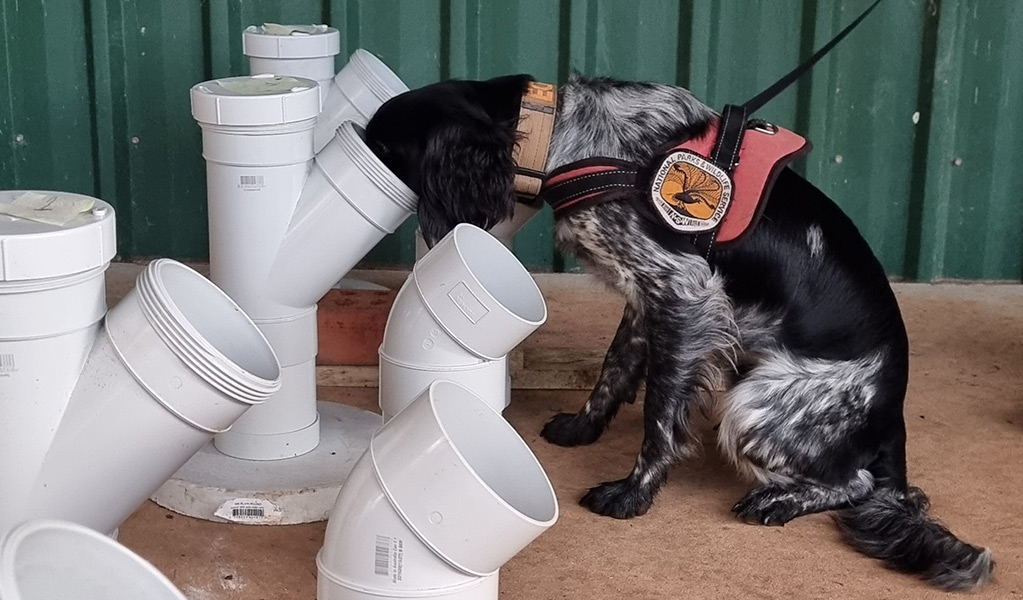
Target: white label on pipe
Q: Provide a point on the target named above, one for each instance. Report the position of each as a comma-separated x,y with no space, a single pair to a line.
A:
250,510
7,365
250,183
468,303
389,557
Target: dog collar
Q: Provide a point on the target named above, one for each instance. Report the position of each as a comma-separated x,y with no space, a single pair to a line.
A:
535,128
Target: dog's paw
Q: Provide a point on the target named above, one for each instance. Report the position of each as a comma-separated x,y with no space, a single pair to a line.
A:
622,499
768,505
571,430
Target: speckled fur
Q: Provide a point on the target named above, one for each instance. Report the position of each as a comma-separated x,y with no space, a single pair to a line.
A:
797,322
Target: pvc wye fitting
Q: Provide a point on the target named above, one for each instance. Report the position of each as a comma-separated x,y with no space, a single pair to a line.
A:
176,362
284,228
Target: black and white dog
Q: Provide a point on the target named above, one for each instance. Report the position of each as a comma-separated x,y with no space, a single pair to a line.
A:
797,322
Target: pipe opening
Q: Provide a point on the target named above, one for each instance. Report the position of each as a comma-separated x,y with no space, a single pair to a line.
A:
494,452
219,321
500,273
378,78
352,137
46,560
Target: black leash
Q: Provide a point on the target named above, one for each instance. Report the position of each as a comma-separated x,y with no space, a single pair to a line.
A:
734,118
754,103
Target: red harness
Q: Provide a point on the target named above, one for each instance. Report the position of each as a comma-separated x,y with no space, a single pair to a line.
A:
712,188
687,193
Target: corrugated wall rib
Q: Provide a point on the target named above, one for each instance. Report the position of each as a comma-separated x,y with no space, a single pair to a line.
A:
913,118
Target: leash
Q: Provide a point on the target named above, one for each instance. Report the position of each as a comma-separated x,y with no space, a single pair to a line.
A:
691,179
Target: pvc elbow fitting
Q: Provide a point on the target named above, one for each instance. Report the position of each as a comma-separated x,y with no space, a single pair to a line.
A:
446,494
465,306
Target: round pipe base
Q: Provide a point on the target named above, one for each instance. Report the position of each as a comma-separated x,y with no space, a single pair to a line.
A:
215,487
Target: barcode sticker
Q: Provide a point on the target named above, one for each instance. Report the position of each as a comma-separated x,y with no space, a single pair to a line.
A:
382,556
250,182
7,364
389,557
250,510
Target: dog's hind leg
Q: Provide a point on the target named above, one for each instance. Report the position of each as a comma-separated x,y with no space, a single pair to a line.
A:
779,503
803,428
623,370
689,327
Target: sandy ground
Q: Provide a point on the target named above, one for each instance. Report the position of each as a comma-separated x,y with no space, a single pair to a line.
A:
965,421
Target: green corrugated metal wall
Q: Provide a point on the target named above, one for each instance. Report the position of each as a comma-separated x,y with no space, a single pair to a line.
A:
916,119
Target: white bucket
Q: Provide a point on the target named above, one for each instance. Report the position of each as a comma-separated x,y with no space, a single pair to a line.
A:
468,302
176,362
355,94
53,560
299,50
350,202
446,494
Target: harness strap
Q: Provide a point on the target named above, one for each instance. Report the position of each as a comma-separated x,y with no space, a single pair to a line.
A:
585,183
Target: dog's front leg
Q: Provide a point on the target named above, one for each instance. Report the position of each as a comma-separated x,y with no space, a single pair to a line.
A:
687,336
623,369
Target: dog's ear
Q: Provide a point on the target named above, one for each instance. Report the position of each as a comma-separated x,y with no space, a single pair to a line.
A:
467,176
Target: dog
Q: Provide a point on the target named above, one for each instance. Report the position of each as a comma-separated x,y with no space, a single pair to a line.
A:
797,322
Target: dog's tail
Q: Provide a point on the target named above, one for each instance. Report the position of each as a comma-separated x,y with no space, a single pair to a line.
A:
893,526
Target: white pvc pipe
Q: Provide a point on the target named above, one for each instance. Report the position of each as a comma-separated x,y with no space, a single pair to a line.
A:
355,94
446,494
55,560
46,331
284,228
175,362
466,305
504,230
298,50
52,300
349,203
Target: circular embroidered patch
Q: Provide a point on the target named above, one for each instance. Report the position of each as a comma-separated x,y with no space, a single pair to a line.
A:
690,193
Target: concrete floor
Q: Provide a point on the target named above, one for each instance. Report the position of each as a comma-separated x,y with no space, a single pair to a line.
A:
965,420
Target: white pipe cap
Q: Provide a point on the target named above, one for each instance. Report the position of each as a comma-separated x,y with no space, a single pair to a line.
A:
257,100
31,249
271,40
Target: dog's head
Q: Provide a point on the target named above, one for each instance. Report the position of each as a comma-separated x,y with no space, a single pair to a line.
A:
451,143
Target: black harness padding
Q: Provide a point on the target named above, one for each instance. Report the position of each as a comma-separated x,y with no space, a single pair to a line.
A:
586,190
